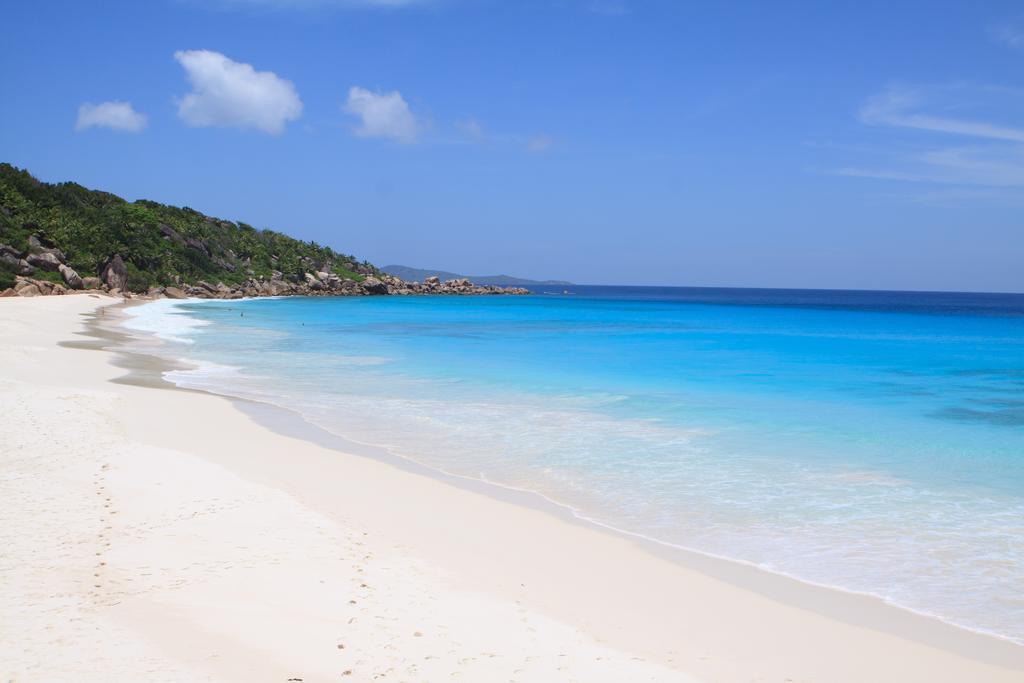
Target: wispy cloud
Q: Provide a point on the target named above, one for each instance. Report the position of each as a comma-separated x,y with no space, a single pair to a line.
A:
234,94
902,107
382,115
952,137
115,115
982,166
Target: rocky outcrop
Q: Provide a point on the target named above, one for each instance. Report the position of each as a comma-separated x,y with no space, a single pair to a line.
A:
170,234
197,244
11,258
317,281
174,293
45,260
71,277
372,285
323,283
457,287
25,288
114,273
331,285
39,245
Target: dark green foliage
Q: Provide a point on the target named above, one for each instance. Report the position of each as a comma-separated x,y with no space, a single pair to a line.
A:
6,276
160,245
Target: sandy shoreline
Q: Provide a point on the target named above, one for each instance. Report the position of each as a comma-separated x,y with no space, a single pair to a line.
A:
168,535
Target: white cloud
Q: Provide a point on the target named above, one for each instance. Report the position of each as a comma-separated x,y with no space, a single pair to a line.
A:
113,115
539,143
230,93
900,107
383,115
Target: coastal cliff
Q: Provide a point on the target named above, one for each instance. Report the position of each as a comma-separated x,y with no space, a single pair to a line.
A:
58,238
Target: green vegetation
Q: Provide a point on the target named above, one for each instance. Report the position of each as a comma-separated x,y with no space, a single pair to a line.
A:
160,245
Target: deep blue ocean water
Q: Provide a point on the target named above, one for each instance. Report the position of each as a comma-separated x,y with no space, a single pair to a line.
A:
872,441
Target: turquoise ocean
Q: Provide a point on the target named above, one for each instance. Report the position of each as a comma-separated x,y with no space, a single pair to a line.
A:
868,441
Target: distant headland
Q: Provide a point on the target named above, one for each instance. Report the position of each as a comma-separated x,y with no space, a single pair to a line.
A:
417,274
56,238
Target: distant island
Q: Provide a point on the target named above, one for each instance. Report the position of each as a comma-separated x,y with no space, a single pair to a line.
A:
55,238
418,274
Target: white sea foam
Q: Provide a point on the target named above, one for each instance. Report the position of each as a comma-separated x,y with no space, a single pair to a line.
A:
204,375
164,319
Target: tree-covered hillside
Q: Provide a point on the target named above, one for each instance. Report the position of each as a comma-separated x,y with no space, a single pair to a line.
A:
160,245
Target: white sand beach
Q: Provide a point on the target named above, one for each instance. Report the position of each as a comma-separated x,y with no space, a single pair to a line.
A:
156,534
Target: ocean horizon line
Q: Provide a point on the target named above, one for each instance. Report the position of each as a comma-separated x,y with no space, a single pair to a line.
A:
865,290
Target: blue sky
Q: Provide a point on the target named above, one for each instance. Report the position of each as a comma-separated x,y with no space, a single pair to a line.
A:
850,145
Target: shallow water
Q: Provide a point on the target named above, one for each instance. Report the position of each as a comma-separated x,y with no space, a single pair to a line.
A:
870,441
